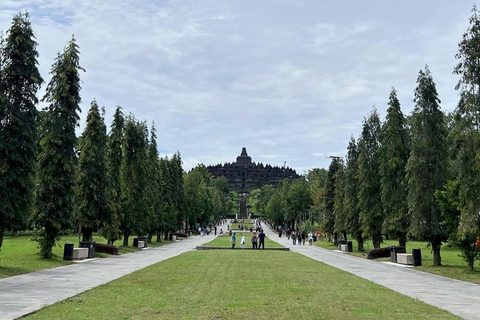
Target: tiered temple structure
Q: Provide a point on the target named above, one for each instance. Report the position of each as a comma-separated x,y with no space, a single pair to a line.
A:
244,175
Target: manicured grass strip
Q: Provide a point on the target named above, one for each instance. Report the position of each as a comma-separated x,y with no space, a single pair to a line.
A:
224,241
241,285
20,255
453,266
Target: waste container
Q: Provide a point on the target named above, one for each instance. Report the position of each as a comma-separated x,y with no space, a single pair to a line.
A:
68,251
91,248
394,250
314,238
340,242
417,257
144,239
349,246
135,242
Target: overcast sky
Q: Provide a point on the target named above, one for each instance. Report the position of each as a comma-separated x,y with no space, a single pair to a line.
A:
289,80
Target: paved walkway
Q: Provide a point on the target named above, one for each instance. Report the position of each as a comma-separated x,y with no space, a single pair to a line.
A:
26,293
23,294
458,297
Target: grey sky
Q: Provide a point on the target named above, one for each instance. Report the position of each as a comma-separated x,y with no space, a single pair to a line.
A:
289,80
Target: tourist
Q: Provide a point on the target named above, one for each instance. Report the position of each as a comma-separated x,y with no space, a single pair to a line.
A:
289,233
242,242
303,237
221,231
232,240
310,238
294,237
261,238
254,240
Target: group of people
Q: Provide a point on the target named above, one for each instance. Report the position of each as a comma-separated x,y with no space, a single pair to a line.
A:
300,237
258,241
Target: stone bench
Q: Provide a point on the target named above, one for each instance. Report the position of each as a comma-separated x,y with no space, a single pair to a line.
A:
106,248
80,253
405,258
378,253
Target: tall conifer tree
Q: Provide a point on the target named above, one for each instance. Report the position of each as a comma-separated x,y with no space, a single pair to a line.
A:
369,201
91,193
19,82
57,160
111,228
394,153
427,166
354,227
465,136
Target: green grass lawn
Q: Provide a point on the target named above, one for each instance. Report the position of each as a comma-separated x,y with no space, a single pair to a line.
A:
20,255
218,284
453,266
224,241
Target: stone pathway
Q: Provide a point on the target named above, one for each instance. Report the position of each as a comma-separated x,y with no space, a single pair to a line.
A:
26,293
458,297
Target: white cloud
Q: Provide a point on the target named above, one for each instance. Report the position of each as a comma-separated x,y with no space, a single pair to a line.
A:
291,81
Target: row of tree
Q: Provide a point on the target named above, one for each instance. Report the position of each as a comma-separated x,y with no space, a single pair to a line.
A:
116,183
415,176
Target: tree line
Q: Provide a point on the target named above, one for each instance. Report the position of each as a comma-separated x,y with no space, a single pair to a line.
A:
408,177
52,181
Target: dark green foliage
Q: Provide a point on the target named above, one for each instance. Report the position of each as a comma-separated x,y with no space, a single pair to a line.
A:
111,228
19,82
369,191
298,202
198,204
327,220
277,209
339,209
134,180
57,160
465,137
91,193
427,165
354,227
153,187
394,153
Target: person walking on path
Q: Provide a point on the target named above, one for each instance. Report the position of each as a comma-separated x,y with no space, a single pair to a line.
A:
310,238
294,237
303,237
261,237
254,240
232,240
242,242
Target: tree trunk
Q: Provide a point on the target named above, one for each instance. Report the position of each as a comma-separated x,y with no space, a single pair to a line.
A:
149,238
1,242
360,243
402,240
87,234
125,238
377,240
335,238
159,237
436,245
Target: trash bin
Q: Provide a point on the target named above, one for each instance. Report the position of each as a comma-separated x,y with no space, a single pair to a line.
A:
314,238
417,257
144,239
135,242
91,248
394,250
349,246
68,251
340,242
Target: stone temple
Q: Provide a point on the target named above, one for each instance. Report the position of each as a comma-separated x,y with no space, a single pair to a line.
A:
245,175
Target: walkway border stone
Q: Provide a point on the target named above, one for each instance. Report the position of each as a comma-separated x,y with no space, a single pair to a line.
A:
458,297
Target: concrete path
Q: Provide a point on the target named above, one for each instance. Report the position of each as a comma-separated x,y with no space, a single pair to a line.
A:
458,297
26,293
